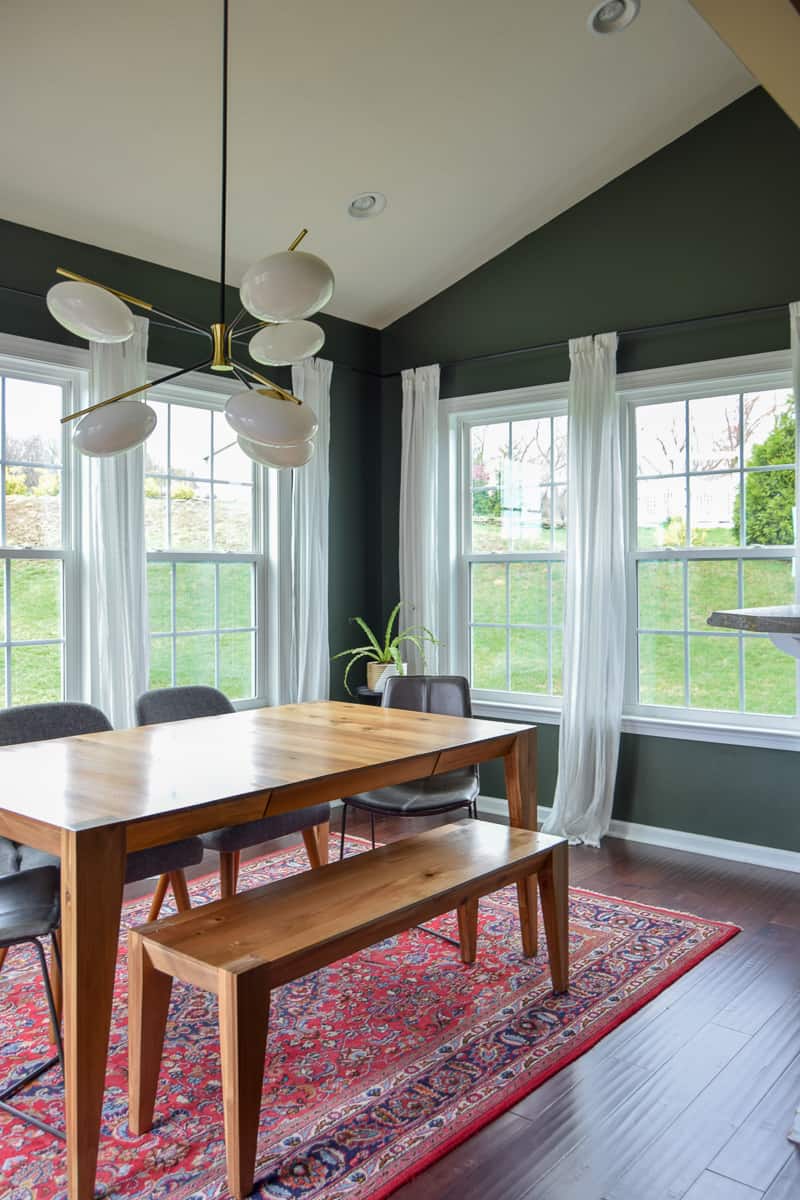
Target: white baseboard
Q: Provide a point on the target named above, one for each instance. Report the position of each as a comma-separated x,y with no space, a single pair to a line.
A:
676,839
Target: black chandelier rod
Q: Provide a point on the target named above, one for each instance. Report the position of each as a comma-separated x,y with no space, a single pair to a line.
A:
224,172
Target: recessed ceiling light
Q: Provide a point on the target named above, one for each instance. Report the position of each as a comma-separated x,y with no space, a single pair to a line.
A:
613,16
367,204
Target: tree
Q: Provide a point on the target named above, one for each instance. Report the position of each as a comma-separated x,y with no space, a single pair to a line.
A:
770,495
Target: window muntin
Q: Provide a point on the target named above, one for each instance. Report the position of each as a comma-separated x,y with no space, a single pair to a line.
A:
203,560
712,527
34,540
515,533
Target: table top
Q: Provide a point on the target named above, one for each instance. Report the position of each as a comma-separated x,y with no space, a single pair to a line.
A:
265,753
780,618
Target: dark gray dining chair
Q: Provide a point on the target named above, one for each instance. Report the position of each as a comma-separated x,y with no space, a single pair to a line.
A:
184,703
445,694
44,722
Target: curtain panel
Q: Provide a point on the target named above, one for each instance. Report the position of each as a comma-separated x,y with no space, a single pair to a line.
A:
419,581
594,614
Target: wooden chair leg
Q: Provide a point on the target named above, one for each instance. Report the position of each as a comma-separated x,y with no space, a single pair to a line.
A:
57,984
468,930
180,891
3,954
148,1004
243,1020
229,861
324,841
312,847
554,886
158,898
528,916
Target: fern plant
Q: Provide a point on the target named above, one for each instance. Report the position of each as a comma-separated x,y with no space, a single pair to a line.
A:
388,651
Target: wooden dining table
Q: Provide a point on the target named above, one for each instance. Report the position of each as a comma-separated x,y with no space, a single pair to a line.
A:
94,798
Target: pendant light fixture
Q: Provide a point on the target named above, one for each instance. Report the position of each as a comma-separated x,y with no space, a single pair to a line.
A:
280,292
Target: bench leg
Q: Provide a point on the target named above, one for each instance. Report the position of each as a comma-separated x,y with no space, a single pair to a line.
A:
158,898
243,1018
149,992
229,861
528,915
554,886
312,847
468,929
180,891
324,841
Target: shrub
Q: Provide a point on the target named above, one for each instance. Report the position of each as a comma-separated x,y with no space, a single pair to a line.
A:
15,482
770,495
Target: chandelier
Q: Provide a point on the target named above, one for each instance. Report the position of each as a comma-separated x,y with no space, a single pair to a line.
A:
281,291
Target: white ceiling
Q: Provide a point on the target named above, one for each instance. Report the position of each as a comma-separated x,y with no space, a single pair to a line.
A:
479,120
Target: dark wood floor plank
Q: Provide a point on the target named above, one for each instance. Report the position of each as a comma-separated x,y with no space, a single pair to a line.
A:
716,1187
787,1185
671,1163
759,1148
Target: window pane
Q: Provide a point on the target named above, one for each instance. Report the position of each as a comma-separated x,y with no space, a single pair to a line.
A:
527,495
33,507
529,660
713,583
230,463
715,510
558,653
33,421
155,513
236,665
768,581
529,598
559,509
714,433
160,662
660,595
2,613
661,439
35,674
35,599
195,660
3,698
194,596
155,448
769,678
489,452
769,508
235,595
190,508
233,516
661,509
489,659
769,427
489,592
559,448
714,672
661,669
190,441
159,595
557,593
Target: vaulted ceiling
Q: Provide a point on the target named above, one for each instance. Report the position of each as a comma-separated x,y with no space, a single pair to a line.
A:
480,121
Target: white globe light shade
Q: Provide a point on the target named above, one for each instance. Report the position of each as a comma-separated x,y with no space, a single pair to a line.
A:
90,312
279,457
281,345
263,416
286,286
115,428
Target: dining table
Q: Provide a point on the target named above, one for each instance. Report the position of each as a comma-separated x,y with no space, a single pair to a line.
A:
94,798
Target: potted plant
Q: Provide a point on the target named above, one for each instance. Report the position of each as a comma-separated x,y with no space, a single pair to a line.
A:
385,658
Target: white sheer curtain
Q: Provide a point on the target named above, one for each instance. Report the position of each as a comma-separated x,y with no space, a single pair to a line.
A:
594,615
418,508
117,634
310,657
794,328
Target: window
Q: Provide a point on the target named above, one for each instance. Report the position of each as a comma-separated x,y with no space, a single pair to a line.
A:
36,563
512,560
204,562
713,526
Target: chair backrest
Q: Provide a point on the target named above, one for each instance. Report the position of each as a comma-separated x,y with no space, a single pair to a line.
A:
444,694
181,704
42,722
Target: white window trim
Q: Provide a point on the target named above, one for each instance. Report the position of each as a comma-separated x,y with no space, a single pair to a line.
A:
717,377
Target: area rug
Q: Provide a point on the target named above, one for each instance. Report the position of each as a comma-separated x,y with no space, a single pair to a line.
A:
376,1066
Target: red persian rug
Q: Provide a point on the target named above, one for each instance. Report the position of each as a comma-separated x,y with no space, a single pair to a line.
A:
376,1067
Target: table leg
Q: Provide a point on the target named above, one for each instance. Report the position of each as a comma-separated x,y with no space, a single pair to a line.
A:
520,770
92,878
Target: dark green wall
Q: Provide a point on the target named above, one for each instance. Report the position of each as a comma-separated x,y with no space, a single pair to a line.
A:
28,259
707,225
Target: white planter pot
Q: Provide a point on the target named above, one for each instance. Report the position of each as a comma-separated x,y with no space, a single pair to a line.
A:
378,673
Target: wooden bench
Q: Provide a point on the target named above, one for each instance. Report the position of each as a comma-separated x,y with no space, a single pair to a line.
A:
242,948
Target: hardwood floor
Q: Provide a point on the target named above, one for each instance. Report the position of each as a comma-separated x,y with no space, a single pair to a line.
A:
690,1099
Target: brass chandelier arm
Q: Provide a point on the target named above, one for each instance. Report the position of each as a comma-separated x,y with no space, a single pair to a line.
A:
145,304
298,239
143,387
282,392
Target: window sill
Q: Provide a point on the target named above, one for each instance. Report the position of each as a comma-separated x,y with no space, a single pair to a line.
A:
682,730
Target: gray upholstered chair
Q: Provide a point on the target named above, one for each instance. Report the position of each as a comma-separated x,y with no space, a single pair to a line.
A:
183,703
445,694
43,722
